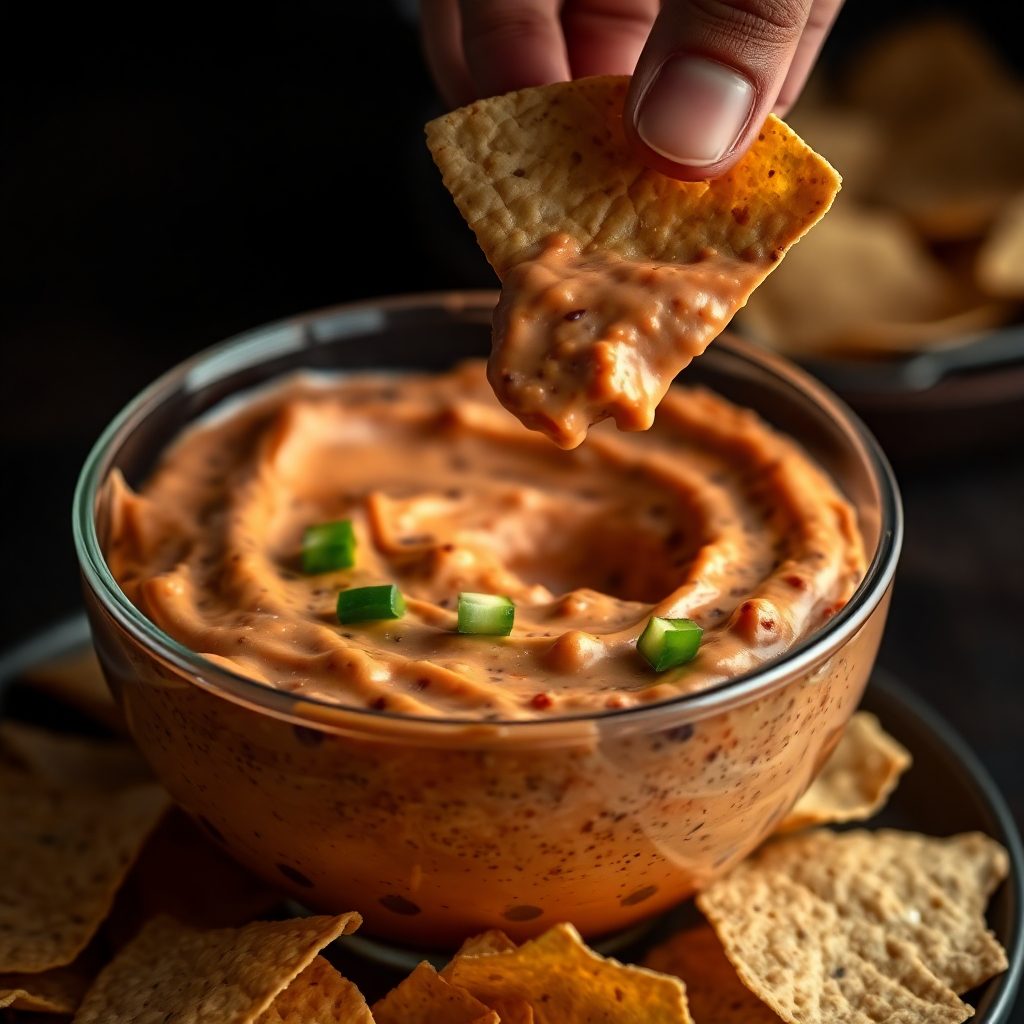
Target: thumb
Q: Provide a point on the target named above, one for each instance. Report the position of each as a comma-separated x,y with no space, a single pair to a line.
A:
707,78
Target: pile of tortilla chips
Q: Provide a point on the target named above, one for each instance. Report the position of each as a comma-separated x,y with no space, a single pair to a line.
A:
925,245
116,909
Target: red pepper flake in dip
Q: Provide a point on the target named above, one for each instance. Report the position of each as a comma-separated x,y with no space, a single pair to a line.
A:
614,276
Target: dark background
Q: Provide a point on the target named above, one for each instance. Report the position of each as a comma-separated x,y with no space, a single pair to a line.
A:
168,183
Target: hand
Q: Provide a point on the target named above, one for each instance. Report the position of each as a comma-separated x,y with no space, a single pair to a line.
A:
707,72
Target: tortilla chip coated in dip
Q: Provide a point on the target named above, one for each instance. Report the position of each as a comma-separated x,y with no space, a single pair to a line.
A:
614,276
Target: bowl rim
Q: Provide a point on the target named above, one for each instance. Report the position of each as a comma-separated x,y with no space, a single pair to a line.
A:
319,713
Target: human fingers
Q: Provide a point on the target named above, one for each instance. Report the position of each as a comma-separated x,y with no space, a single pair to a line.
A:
512,44
605,37
441,29
710,73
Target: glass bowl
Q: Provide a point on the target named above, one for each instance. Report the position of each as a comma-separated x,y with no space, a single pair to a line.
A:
437,829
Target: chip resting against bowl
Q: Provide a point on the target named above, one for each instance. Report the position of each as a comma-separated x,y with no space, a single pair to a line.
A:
614,276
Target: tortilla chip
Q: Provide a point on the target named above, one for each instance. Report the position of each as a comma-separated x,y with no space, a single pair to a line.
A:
1000,270
73,761
714,991
855,782
968,867
813,964
851,926
182,873
513,1011
493,941
554,159
319,995
863,283
576,226
64,853
872,878
426,998
225,976
58,990
77,680
564,982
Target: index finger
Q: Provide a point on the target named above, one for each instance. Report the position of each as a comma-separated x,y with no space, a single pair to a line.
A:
512,44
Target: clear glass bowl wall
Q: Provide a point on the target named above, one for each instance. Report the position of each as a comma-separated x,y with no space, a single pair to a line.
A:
434,830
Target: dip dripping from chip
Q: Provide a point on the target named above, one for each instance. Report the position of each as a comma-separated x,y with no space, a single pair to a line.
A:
614,276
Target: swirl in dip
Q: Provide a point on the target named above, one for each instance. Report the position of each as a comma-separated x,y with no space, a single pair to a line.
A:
710,515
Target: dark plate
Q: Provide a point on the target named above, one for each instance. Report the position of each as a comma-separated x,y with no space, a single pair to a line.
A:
946,791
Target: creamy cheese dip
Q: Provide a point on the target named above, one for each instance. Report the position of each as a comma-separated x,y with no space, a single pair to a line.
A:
584,337
710,515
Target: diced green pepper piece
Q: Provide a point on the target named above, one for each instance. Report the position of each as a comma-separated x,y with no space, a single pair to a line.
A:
668,643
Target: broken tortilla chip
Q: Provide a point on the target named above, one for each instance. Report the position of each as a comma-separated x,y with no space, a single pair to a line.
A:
319,995
224,976
1000,269
714,991
614,276
65,854
855,781
58,990
564,981
847,926
492,941
424,997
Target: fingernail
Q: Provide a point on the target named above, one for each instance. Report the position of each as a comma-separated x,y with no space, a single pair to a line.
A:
694,111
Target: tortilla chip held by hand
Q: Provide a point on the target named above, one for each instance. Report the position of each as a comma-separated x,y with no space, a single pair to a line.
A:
614,275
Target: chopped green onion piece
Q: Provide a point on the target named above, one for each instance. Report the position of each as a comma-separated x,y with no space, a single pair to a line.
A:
666,643
368,604
485,614
328,546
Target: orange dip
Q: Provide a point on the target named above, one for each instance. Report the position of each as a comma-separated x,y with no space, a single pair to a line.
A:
710,515
579,338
